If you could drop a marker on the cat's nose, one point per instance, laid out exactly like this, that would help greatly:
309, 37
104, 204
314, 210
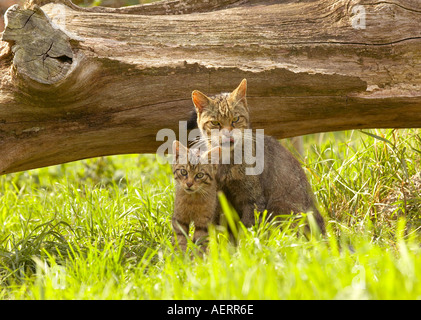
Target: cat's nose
226, 131
189, 184
227, 135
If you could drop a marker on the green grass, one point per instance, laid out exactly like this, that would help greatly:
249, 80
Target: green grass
100, 229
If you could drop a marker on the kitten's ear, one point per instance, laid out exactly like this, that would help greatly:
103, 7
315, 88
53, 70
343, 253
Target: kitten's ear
177, 146
200, 101
240, 92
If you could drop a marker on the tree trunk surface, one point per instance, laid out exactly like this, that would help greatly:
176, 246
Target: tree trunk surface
79, 82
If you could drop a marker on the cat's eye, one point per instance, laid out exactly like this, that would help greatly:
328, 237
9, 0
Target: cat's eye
215, 123
200, 175
235, 119
183, 172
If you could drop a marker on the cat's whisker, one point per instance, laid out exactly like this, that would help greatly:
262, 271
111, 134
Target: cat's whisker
199, 145
198, 138
249, 135
200, 141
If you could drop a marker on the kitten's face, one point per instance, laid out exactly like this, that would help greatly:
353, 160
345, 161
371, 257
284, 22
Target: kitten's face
190, 172
227, 114
193, 178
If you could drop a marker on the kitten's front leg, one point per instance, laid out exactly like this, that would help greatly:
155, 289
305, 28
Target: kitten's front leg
181, 229
200, 236
201, 230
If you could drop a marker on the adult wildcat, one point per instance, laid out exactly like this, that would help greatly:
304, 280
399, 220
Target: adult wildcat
282, 187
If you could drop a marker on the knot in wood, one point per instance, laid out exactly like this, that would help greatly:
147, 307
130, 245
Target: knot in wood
41, 50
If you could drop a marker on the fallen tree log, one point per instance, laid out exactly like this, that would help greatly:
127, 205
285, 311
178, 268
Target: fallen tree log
79, 82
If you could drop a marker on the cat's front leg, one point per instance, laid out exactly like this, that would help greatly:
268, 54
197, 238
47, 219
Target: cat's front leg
181, 230
247, 214
200, 236
247, 217
201, 229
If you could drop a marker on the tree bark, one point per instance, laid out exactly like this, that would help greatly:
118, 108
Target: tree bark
78, 83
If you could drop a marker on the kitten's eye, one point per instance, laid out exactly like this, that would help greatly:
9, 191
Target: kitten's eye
183, 172
235, 119
215, 123
200, 175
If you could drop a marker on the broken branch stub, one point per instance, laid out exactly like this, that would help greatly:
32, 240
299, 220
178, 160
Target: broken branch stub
41, 51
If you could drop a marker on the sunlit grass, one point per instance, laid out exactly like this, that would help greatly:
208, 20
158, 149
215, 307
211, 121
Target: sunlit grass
100, 229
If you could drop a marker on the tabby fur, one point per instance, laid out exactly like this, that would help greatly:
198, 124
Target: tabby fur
196, 194
281, 189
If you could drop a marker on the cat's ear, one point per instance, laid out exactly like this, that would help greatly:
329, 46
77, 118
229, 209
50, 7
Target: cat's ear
200, 101
240, 92
178, 148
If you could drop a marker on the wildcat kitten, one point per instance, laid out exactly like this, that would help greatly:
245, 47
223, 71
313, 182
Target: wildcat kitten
196, 193
282, 187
